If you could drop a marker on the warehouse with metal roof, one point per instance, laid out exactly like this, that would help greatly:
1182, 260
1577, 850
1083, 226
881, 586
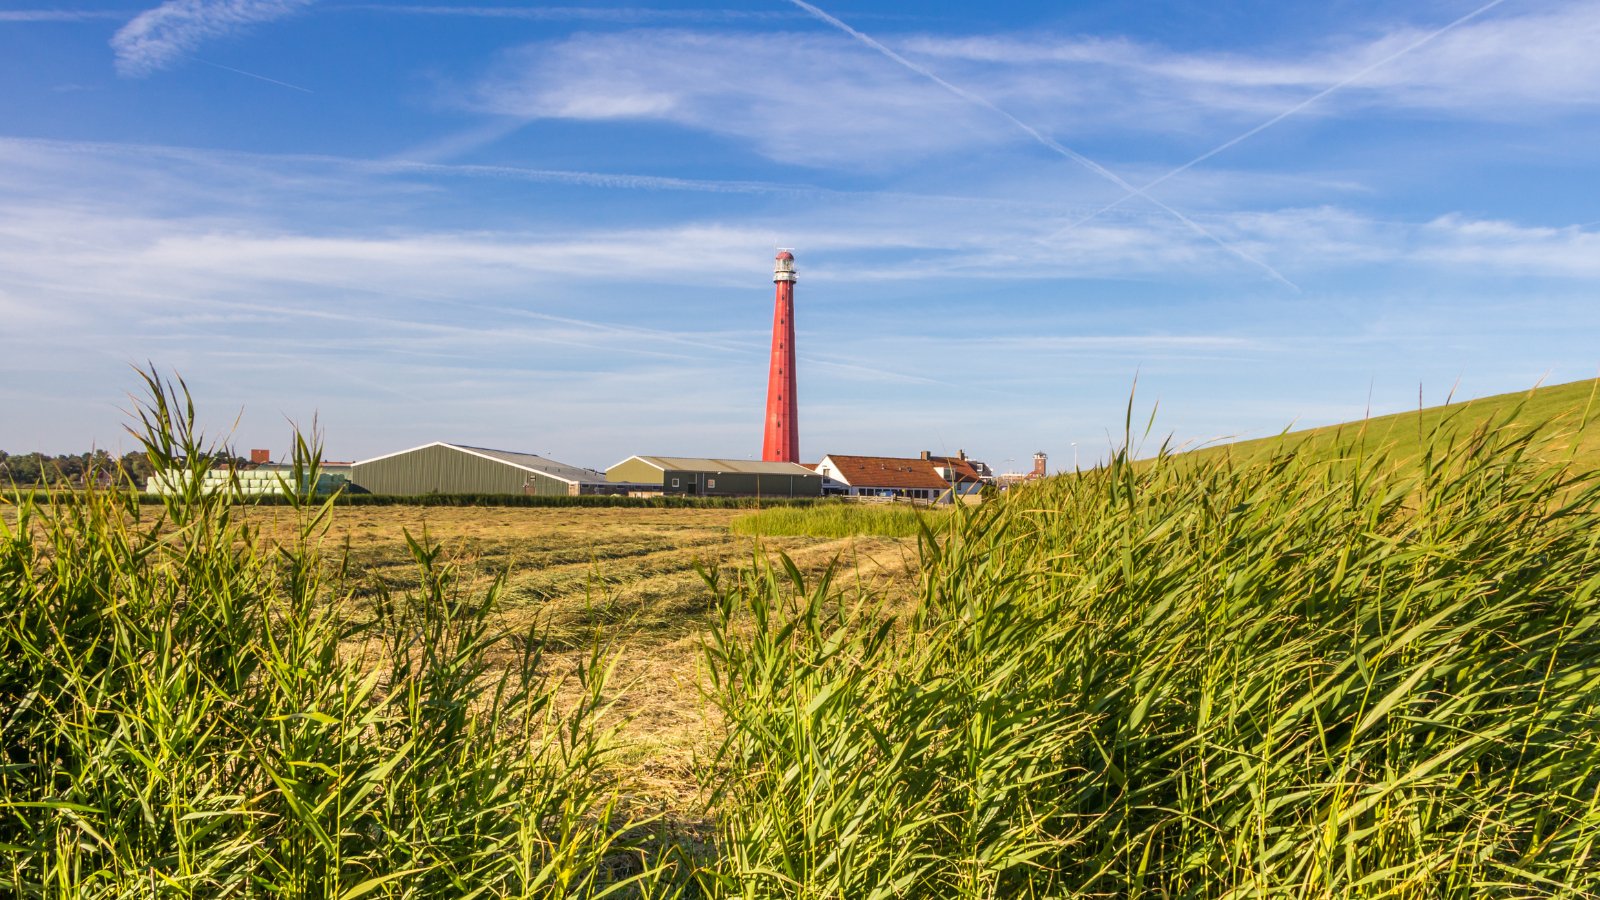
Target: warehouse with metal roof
710, 477
441, 468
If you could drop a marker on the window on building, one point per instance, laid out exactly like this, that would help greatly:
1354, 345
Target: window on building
675, 482
711, 484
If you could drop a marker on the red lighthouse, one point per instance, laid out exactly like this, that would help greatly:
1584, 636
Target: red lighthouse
782, 439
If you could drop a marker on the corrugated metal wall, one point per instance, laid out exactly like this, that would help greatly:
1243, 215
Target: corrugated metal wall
742, 484
445, 470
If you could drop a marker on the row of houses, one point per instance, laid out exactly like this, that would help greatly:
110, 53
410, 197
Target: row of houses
446, 468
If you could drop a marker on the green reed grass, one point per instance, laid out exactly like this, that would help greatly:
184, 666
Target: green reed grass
840, 519
188, 712
1193, 677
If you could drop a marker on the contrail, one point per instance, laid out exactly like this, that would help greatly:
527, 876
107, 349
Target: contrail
275, 81
1281, 116
1045, 141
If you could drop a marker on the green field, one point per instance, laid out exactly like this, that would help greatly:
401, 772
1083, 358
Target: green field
1281, 671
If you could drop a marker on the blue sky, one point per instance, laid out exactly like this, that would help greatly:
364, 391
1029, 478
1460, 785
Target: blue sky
550, 228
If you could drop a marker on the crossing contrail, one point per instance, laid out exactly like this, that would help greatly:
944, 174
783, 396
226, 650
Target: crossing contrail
1280, 116
252, 75
1043, 139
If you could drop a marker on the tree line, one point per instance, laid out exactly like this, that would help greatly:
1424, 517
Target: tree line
78, 469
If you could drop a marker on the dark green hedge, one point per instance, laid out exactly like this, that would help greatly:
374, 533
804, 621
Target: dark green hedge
498, 500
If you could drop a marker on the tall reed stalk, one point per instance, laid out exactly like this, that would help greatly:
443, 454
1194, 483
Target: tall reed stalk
1290, 677
186, 711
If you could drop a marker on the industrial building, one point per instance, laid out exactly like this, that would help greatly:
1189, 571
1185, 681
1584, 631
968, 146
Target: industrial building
702, 477
441, 468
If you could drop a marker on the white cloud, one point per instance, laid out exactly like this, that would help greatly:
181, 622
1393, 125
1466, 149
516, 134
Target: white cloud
804, 98
158, 38
1459, 242
125, 221
606, 14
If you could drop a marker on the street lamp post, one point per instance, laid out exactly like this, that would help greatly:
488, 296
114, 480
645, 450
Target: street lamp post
1074, 456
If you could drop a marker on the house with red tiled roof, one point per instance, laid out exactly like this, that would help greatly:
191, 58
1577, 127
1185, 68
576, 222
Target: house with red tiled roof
919, 479
967, 476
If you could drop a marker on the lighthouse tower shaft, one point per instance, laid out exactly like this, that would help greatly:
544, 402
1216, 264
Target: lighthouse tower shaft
781, 442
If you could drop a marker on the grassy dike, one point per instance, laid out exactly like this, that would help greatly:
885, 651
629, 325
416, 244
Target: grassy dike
1561, 412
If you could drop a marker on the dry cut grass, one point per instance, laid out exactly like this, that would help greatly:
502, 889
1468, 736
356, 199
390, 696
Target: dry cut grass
628, 579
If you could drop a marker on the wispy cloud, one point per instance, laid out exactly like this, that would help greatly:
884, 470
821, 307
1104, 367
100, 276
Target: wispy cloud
804, 98
636, 15
799, 98
1365, 72
307, 172
1490, 245
1478, 64
1044, 140
67, 204
159, 38
60, 15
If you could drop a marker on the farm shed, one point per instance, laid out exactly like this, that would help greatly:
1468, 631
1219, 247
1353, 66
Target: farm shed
441, 468
704, 477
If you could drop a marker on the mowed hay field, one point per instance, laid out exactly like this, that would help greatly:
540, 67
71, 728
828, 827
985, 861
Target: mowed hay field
626, 578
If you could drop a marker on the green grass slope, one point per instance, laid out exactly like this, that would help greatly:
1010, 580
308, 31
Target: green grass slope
1559, 411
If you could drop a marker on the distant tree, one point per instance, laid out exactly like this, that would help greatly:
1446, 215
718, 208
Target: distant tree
26, 469
35, 469
136, 466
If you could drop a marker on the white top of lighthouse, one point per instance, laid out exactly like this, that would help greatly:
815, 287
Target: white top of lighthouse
784, 269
